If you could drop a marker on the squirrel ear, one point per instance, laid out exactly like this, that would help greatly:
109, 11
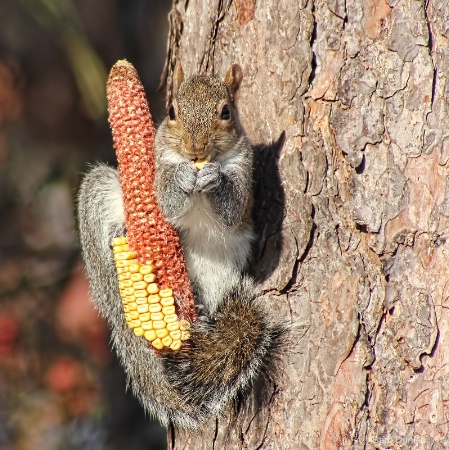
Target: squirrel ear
178, 77
233, 78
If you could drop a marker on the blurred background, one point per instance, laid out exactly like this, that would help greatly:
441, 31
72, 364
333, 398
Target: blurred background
60, 385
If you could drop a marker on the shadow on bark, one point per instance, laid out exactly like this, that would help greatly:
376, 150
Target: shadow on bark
269, 209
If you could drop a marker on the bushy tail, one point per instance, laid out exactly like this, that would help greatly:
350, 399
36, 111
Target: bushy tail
229, 351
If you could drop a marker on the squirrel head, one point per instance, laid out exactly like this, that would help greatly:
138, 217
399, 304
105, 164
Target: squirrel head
203, 119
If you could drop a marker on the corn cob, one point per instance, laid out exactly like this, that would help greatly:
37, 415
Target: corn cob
152, 247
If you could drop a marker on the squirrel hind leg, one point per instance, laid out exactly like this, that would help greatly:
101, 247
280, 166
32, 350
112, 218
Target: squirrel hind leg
229, 351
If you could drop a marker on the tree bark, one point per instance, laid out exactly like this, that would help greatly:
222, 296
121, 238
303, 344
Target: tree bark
346, 103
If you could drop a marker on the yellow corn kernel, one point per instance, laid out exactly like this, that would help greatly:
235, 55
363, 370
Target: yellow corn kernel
138, 331
157, 343
158, 324
147, 325
125, 284
136, 277
157, 316
123, 276
119, 241
176, 345
167, 310
149, 278
165, 292
134, 268
125, 308
150, 335
167, 301
136, 323
129, 291
154, 299
120, 248
125, 262
185, 335
167, 341
145, 270
141, 301
162, 333
184, 325
121, 270
200, 163
171, 318
176, 335
129, 299
155, 308
132, 306
138, 285
140, 293
142, 308
122, 293
153, 288
134, 315
125, 255
144, 317
127, 317
173, 326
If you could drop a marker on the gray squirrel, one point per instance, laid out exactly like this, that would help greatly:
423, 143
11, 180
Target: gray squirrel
210, 207
234, 337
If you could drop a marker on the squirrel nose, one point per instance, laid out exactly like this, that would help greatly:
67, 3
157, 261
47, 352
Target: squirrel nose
195, 147
198, 146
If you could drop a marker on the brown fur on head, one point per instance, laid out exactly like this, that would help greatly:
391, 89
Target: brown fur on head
203, 116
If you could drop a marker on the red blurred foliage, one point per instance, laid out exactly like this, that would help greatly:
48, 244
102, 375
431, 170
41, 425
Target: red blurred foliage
78, 322
8, 335
68, 379
10, 101
63, 375
10, 93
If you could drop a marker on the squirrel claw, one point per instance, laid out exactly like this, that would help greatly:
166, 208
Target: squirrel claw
208, 177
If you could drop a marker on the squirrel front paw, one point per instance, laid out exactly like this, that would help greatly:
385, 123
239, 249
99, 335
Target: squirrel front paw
186, 177
208, 177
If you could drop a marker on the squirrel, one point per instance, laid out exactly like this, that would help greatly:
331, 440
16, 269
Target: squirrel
234, 338
211, 207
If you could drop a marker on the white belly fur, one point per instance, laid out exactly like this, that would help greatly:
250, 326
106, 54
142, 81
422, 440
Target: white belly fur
215, 256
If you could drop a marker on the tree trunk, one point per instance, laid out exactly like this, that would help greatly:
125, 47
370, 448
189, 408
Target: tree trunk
346, 101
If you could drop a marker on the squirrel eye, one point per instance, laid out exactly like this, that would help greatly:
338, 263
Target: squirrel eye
225, 113
171, 113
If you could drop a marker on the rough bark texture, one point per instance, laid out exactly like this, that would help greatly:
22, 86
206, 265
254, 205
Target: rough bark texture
347, 103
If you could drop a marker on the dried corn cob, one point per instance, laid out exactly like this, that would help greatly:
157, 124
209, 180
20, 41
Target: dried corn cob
151, 241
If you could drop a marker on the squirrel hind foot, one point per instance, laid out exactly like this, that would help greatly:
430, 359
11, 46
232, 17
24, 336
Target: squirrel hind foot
229, 352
